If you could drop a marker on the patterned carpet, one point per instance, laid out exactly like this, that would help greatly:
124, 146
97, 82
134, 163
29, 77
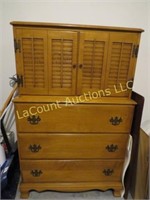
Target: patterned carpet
91, 195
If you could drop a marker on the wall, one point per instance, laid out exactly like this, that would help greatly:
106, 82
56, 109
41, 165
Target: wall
146, 123
1, 15
130, 13
149, 61
149, 54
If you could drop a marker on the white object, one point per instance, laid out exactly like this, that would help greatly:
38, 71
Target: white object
146, 127
2, 155
127, 161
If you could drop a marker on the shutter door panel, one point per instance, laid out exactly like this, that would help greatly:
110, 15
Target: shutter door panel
121, 63
33, 61
62, 62
92, 56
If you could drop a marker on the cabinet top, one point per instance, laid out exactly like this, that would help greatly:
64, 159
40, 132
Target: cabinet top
73, 26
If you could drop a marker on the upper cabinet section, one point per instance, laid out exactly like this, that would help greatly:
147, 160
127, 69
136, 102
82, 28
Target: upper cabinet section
58, 59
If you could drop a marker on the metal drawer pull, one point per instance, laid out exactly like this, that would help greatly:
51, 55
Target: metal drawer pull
115, 120
34, 120
35, 148
112, 148
36, 173
108, 172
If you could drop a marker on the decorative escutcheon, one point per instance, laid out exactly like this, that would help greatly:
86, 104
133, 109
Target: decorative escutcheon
115, 120
36, 172
112, 148
34, 119
35, 148
108, 172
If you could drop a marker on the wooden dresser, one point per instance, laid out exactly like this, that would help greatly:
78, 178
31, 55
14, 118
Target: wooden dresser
74, 109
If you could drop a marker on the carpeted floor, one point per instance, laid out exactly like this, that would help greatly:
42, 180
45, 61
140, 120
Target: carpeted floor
90, 195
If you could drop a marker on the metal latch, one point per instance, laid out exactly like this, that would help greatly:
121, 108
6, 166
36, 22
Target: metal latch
20, 80
17, 45
135, 51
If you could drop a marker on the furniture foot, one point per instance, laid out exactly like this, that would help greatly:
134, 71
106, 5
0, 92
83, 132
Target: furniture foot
24, 195
117, 193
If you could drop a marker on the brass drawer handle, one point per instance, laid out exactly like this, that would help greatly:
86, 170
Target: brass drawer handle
36, 172
112, 148
108, 172
34, 148
34, 120
115, 120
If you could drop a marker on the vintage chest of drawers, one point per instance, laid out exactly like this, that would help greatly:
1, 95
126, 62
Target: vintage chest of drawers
73, 112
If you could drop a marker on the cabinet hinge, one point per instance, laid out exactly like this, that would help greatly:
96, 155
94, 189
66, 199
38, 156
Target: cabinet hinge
135, 51
20, 80
17, 46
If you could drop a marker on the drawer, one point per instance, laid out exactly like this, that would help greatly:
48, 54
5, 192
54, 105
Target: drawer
73, 146
77, 118
71, 170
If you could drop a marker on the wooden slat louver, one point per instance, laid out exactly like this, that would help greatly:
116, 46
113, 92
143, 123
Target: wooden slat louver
38, 63
121, 63
92, 64
63, 62
92, 55
28, 62
34, 61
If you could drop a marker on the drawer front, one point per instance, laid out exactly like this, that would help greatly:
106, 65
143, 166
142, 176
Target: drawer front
71, 170
77, 118
73, 146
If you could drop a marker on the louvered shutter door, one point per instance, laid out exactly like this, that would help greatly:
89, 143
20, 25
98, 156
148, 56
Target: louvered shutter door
32, 61
121, 62
92, 61
62, 53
